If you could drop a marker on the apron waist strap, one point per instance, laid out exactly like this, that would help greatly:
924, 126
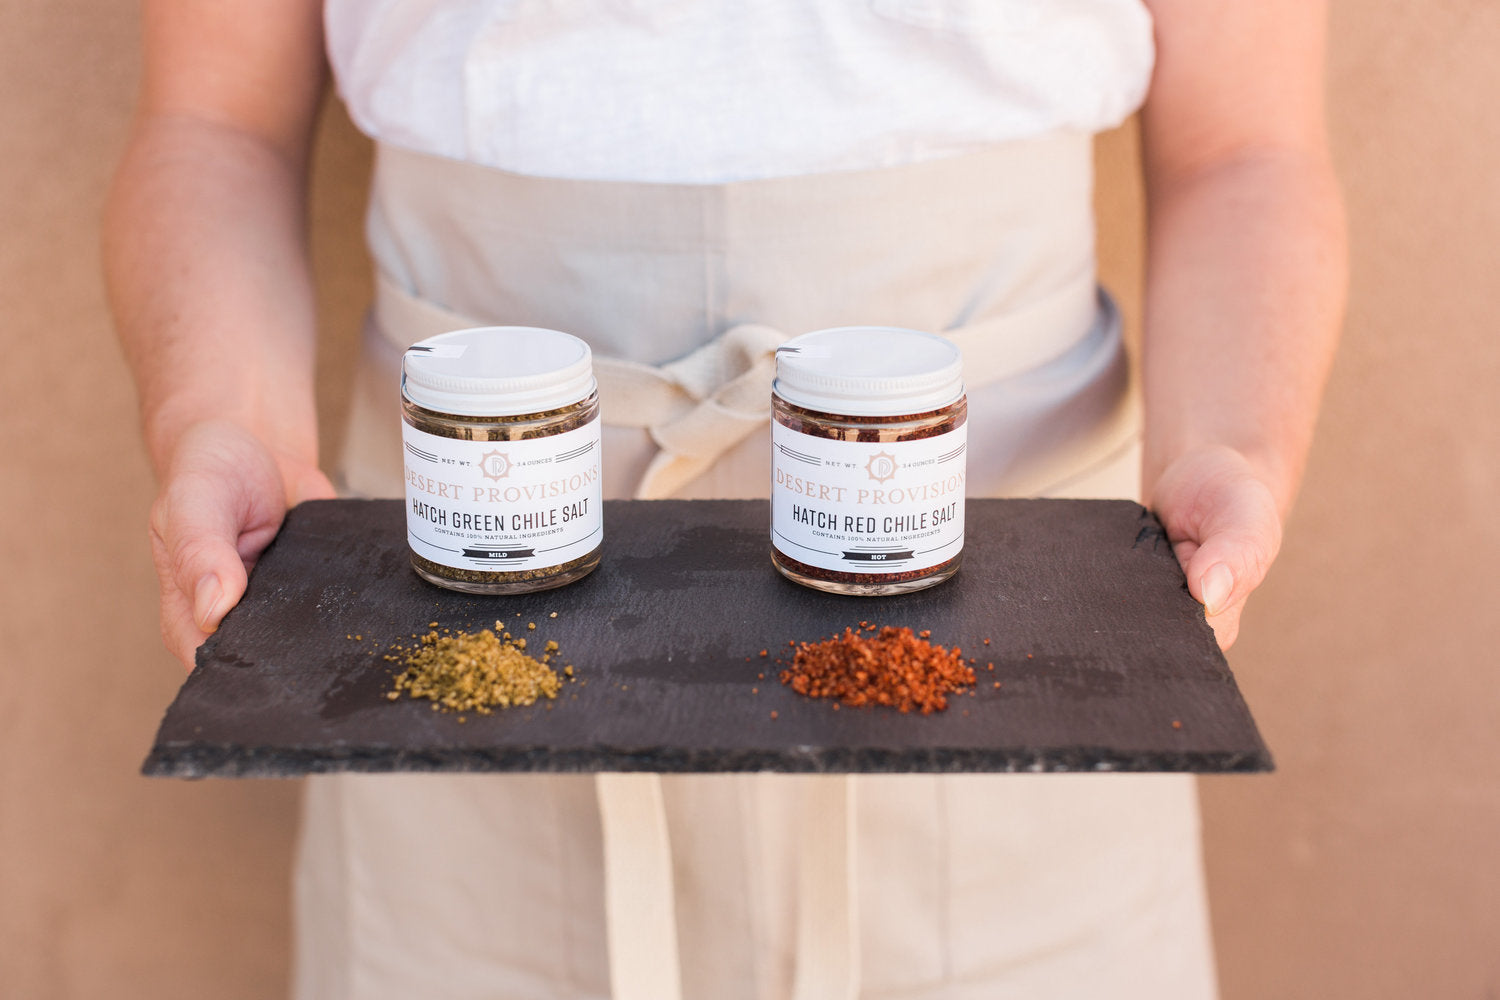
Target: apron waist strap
703, 404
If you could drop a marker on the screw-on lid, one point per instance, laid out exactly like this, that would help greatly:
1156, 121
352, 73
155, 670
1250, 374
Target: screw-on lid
497, 371
869, 371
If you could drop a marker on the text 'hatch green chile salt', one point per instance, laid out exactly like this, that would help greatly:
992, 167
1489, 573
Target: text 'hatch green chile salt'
868, 438
501, 435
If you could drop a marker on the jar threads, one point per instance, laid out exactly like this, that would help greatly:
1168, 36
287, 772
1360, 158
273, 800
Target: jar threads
501, 439
868, 439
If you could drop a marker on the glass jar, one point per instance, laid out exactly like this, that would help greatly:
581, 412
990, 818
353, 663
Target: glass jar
868, 435
501, 434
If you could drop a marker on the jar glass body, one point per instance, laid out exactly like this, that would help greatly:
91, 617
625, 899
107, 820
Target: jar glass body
501, 430
929, 426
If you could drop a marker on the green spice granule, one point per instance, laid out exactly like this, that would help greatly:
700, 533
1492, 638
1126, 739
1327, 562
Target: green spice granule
475, 671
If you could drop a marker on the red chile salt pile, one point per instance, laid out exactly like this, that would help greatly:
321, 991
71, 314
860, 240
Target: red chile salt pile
891, 667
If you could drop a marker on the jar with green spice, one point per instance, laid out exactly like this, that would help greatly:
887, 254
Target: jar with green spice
502, 441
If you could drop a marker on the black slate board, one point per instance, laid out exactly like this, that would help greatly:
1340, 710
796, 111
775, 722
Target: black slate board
1105, 661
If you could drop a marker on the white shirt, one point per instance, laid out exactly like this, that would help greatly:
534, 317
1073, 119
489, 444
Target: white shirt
711, 91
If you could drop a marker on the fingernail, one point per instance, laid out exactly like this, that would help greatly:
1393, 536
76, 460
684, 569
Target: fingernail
1218, 583
206, 597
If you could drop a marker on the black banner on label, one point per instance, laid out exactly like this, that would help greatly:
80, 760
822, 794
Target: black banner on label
499, 553
900, 555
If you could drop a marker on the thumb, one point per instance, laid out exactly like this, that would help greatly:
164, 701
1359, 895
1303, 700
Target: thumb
1225, 527
1234, 549
196, 526
218, 507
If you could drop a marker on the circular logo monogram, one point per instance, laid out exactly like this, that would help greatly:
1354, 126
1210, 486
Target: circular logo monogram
494, 465
881, 466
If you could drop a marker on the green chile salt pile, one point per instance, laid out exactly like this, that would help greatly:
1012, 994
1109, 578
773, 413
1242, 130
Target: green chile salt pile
477, 672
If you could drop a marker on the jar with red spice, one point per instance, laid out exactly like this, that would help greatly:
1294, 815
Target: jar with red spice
868, 435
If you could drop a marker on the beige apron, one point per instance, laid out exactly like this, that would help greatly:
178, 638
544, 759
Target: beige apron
959, 885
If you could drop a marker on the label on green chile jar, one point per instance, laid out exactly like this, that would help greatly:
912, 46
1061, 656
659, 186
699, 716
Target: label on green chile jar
503, 506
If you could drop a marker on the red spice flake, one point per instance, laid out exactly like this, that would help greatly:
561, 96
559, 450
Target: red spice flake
986, 642
1028, 656
773, 713
925, 633
763, 652
1176, 723
893, 667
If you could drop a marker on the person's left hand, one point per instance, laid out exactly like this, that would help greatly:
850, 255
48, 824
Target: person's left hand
1225, 527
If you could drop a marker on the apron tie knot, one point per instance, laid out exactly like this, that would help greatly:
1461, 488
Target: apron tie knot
717, 396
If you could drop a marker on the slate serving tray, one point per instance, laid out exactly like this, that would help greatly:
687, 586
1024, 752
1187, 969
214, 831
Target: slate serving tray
1104, 660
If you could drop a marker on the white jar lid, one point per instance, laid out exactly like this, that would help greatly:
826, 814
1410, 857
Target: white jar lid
497, 371
869, 371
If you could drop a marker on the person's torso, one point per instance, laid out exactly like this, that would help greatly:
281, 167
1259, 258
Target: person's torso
710, 91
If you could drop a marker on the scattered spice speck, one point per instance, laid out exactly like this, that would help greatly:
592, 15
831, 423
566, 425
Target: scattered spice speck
1176, 723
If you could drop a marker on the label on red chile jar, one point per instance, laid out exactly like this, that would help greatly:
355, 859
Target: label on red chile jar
868, 507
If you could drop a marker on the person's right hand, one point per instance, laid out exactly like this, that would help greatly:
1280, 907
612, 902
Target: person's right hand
222, 500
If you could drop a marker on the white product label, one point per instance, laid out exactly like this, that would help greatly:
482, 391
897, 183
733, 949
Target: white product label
503, 506
867, 507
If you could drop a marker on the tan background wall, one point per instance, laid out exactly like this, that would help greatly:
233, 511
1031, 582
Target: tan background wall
1364, 868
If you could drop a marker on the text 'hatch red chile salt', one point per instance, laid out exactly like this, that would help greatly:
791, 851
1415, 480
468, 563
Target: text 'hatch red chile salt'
892, 667
501, 440
868, 438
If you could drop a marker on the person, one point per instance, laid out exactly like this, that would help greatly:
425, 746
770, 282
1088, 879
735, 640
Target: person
648, 174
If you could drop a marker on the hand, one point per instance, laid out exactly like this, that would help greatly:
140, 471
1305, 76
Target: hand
1225, 527
221, 502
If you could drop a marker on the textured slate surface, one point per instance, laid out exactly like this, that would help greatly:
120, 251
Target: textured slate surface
1097, 644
